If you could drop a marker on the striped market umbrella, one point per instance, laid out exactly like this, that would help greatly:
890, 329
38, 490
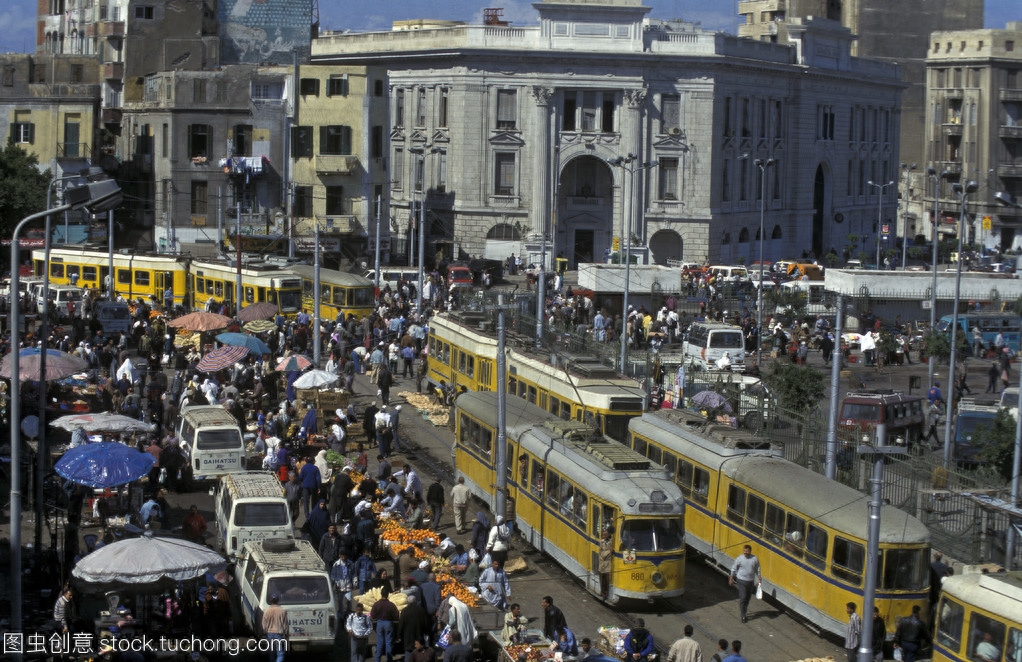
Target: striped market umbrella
293, 362
260, 326
223, 357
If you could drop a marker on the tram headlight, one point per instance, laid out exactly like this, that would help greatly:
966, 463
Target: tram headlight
658, 579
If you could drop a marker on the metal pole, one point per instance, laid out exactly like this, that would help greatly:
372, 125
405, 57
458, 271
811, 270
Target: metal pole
500, 506
932, 361
110, 251
15, 423
763, 165
379, 211
220, 221
316, 296
541, 285
880, 207
1016, 468
43, 333
948, 439
626, 243
904, 235
872, 547
237, 252
830, 468
422, 238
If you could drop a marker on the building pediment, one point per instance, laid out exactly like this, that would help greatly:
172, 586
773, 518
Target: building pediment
672, 143
506, 139
441, 136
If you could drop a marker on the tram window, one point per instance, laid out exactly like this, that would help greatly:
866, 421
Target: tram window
512, 386
555, 405
509, 466
142, 278
470, 366
447, 354
532, 393
307, 288
640, 447
905, 569
654, 453
615, 426
736, 504
1014, 645
701, 485
210, 288
754, 514
364, 296
581, 504
89, 273
847, 561
536, 486
553, 483
339, 296
249, 295
652, 535
324, 292
523, 466
72, 271
124, 276
200, 284
816, 546
774, 523
981, 647
542, 399
951, 615
271, 296
56, 270
461, 362
218, 288
685, 474
566, 411
566, 498
795, 535
671, 462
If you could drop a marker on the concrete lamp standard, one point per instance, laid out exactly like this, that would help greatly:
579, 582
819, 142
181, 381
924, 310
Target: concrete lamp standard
96, 197
881, 188
907, 169
932, 174
762, 165
421, 153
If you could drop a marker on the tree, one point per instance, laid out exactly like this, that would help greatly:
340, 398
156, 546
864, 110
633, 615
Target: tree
996, 443
938, 344
22, 187
798, 387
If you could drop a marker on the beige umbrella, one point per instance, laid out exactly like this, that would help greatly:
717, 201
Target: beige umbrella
200, 321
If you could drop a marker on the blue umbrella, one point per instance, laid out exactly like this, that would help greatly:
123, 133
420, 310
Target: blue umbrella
253, 344
104, 464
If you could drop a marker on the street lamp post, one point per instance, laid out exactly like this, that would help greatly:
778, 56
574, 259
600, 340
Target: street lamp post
961, 192
932, 361
762, 165
421, 153
881, 188
907, 169
102, 195
624, 162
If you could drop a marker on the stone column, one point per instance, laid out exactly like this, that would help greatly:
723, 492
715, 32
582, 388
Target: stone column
631, 143
541, 211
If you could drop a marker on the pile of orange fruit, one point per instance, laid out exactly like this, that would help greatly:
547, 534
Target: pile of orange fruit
517, 649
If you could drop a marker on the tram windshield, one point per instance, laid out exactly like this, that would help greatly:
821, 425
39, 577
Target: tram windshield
290, 300
905, 569
652, 535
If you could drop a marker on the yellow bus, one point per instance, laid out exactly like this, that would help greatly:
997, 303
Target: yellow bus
979, 618
463, 351
340, 292
566, 485
217, 281
146, 276
809, 532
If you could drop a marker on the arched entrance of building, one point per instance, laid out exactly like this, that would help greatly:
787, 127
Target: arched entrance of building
585, 210
666, 245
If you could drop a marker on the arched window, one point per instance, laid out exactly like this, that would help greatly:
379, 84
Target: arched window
743, 236
776, 234
504, 232
726, 239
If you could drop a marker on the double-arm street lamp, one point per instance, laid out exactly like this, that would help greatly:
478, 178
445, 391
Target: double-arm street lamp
961, 192
625, 163
881, 188
762, 165
907, 169
96, 197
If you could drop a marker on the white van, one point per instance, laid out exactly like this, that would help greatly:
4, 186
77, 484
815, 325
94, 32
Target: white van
817, 300
394, 275
293, 571
706, 343
60, 297
211, 441
728, 274
113, 316
250, 506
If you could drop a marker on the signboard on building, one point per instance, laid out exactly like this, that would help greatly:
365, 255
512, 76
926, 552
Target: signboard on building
309, 245
987, 223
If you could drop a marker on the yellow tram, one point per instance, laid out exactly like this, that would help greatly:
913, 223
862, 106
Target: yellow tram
809, 532
463, 350
341, 293
146, 276
567, 484
979, 618
259, 283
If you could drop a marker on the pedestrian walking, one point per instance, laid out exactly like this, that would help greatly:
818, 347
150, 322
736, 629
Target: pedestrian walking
435, 501
745, 573
275, 626
685, 649
459, 501
879, 635
992, 375
736, 655
911, 635
359, 627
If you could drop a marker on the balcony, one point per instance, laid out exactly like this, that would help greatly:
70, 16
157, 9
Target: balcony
111, 29
72, 150
91, 29
1013, 170
953, 93
952, 128
112, 115
332, 164
1013, 131
341, 224
113, 70
952, 167
1010, 95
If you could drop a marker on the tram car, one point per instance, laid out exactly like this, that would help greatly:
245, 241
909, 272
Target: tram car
259, 283
463, 350
809, 532
979, 618
145, 276
341, 293
566, 485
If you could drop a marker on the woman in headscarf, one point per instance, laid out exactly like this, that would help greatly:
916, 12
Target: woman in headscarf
480, 532
325, 472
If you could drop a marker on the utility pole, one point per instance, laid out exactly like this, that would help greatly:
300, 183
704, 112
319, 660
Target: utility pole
830, 467
237, 251
316, 297
376, 262
500, 507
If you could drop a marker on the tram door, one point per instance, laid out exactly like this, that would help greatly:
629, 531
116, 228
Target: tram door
164, 279
104, 280
601, 517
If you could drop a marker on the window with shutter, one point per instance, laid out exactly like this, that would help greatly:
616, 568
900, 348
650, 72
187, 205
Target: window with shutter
504, 176
507, 115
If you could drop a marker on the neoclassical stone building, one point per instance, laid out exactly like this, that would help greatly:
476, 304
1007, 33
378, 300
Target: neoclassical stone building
601, 118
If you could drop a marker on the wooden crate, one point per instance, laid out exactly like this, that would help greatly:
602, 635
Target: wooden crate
326, 403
